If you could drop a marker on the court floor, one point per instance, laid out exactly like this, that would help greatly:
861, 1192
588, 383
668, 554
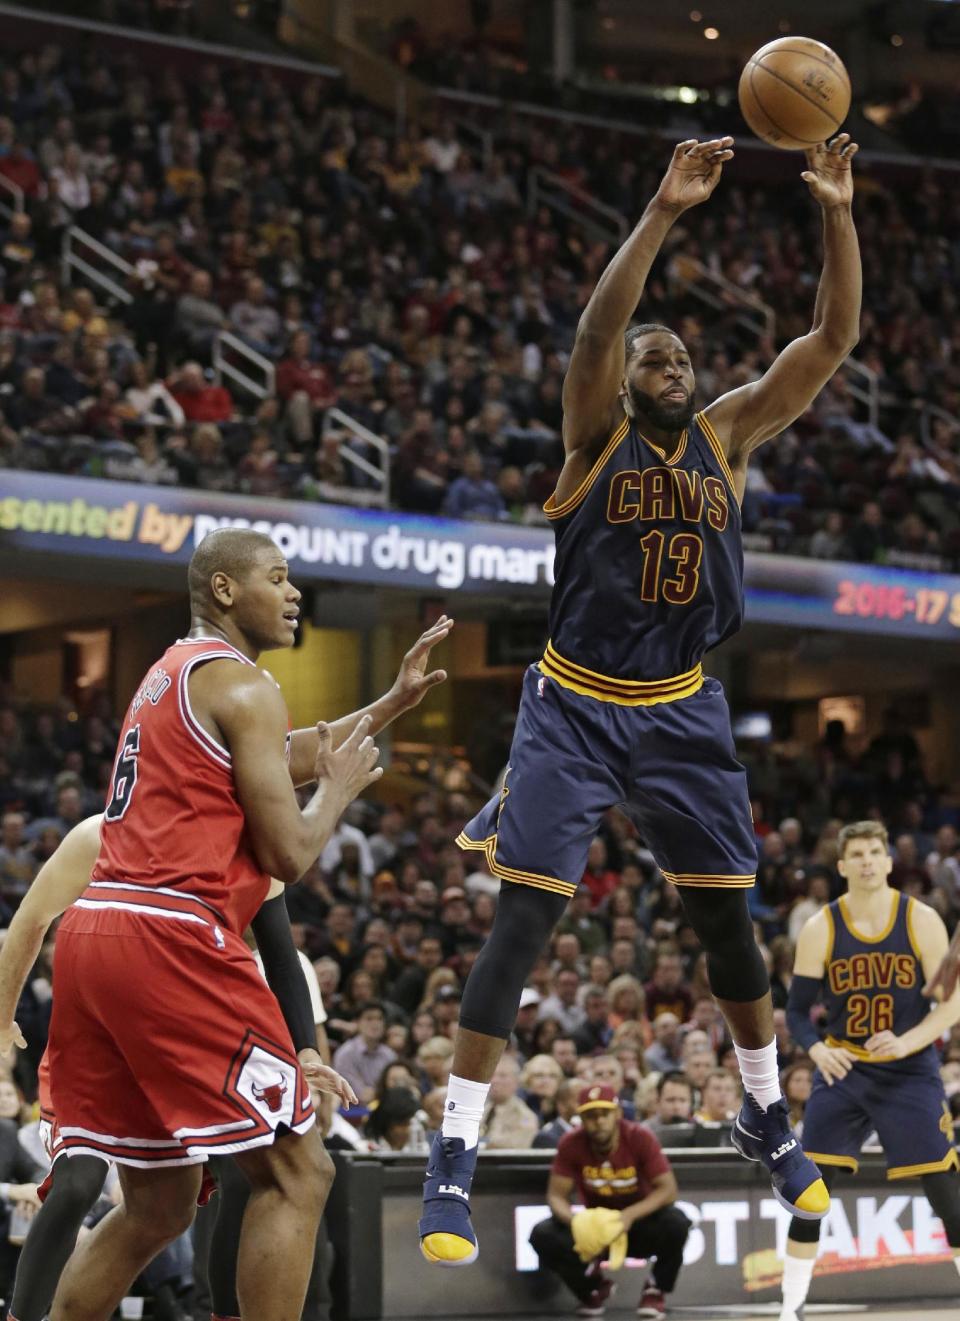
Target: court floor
917, 1312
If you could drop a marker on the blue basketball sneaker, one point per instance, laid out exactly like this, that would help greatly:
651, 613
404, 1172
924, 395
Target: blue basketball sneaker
766, 1135
446, 1234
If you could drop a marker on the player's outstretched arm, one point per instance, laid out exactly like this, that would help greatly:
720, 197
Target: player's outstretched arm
751, 414
60, 881
411, 685
809, 966
248, 710
930, 938
591, 406
945, 978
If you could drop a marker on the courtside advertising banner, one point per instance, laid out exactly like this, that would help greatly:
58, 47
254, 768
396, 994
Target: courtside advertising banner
90, 519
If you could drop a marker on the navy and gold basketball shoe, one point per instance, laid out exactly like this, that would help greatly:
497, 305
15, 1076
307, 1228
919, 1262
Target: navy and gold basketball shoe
766, 1136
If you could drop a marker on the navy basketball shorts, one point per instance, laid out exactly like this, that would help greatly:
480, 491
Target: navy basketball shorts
671, 764
903, 1103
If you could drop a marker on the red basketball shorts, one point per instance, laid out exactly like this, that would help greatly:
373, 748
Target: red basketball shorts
166, 1045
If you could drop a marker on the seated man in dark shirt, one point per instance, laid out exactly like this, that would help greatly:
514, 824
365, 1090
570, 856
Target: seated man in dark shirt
611, 1163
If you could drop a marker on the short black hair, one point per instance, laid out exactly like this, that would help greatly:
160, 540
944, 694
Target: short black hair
371, 1007
637, 332
230, 550
674, 1076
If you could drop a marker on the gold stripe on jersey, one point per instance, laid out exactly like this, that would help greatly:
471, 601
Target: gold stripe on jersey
554, 510
488, 846
858, 935
623, 692
677, 454
717, 881
911, 934
716, 445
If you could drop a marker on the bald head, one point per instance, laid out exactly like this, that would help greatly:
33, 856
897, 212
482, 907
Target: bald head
233, 551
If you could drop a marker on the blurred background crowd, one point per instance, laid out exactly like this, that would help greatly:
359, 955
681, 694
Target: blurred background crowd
400, 275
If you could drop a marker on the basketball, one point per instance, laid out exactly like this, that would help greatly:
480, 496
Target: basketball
794, 93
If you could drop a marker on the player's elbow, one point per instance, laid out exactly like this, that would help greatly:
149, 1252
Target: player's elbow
282, 859
840, 342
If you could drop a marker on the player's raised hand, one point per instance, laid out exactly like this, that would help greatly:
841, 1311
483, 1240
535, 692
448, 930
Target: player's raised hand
693, 172
834, 1062
10, 1036
412, 680
828, 174
321, 1078
352, 766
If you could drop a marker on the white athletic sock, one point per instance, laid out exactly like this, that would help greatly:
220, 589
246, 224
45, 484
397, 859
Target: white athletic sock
463, 1109
758, 1069
797, 1274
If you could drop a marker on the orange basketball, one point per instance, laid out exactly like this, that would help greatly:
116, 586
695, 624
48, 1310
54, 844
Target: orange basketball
794, 93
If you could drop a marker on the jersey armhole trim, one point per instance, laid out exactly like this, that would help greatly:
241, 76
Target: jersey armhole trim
554, 510
911, 935
831, 938
216, 751
713, 440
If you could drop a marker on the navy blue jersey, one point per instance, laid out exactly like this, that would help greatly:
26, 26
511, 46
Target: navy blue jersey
872, 984
649, 563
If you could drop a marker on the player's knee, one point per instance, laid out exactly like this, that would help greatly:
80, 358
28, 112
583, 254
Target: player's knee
303, 1171
77, 1184
165, 1220
942, 1190
804, 1231
540, 1236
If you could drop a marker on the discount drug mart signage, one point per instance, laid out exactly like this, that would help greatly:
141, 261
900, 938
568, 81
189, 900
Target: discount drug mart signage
128, 523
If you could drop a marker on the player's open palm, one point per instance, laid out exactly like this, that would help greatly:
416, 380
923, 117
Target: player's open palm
834, 1062
351, 767
828, 174
694, 172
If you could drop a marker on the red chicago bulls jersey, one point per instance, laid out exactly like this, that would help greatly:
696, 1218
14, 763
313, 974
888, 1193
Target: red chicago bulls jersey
174, 825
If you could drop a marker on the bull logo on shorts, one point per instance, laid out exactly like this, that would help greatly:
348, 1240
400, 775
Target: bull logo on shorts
273, 1095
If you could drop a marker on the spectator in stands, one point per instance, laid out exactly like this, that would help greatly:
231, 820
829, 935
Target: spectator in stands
564, 1050
435, 1057
666, 991
665, 1055
508, 1124
149, 400
565, 1102
594, 1034
255, 320
674, 1105
796, 1083
539, 1079
394, 1124
562, 1004
718, 1099
17, 866
198, 317
473, 495
200, 401
362, 1059
305, 386
599, 878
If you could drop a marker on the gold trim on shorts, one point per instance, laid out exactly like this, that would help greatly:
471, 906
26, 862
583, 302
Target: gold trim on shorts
623, 692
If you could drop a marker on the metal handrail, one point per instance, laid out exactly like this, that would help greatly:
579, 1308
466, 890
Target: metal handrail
931, 411
336, 417
542, 185
16, 192
223, 366
719, 292
72, 261
865, 386
484, 137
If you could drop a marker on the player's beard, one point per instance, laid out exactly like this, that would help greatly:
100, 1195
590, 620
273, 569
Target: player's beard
664, 414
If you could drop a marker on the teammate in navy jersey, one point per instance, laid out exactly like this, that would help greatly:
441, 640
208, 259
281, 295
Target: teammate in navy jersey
649, 572
867, 957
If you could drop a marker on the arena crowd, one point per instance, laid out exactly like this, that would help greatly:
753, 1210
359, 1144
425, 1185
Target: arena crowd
398, 276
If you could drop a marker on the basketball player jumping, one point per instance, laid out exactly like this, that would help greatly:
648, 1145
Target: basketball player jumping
867, 956
649, 571
165, 1043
